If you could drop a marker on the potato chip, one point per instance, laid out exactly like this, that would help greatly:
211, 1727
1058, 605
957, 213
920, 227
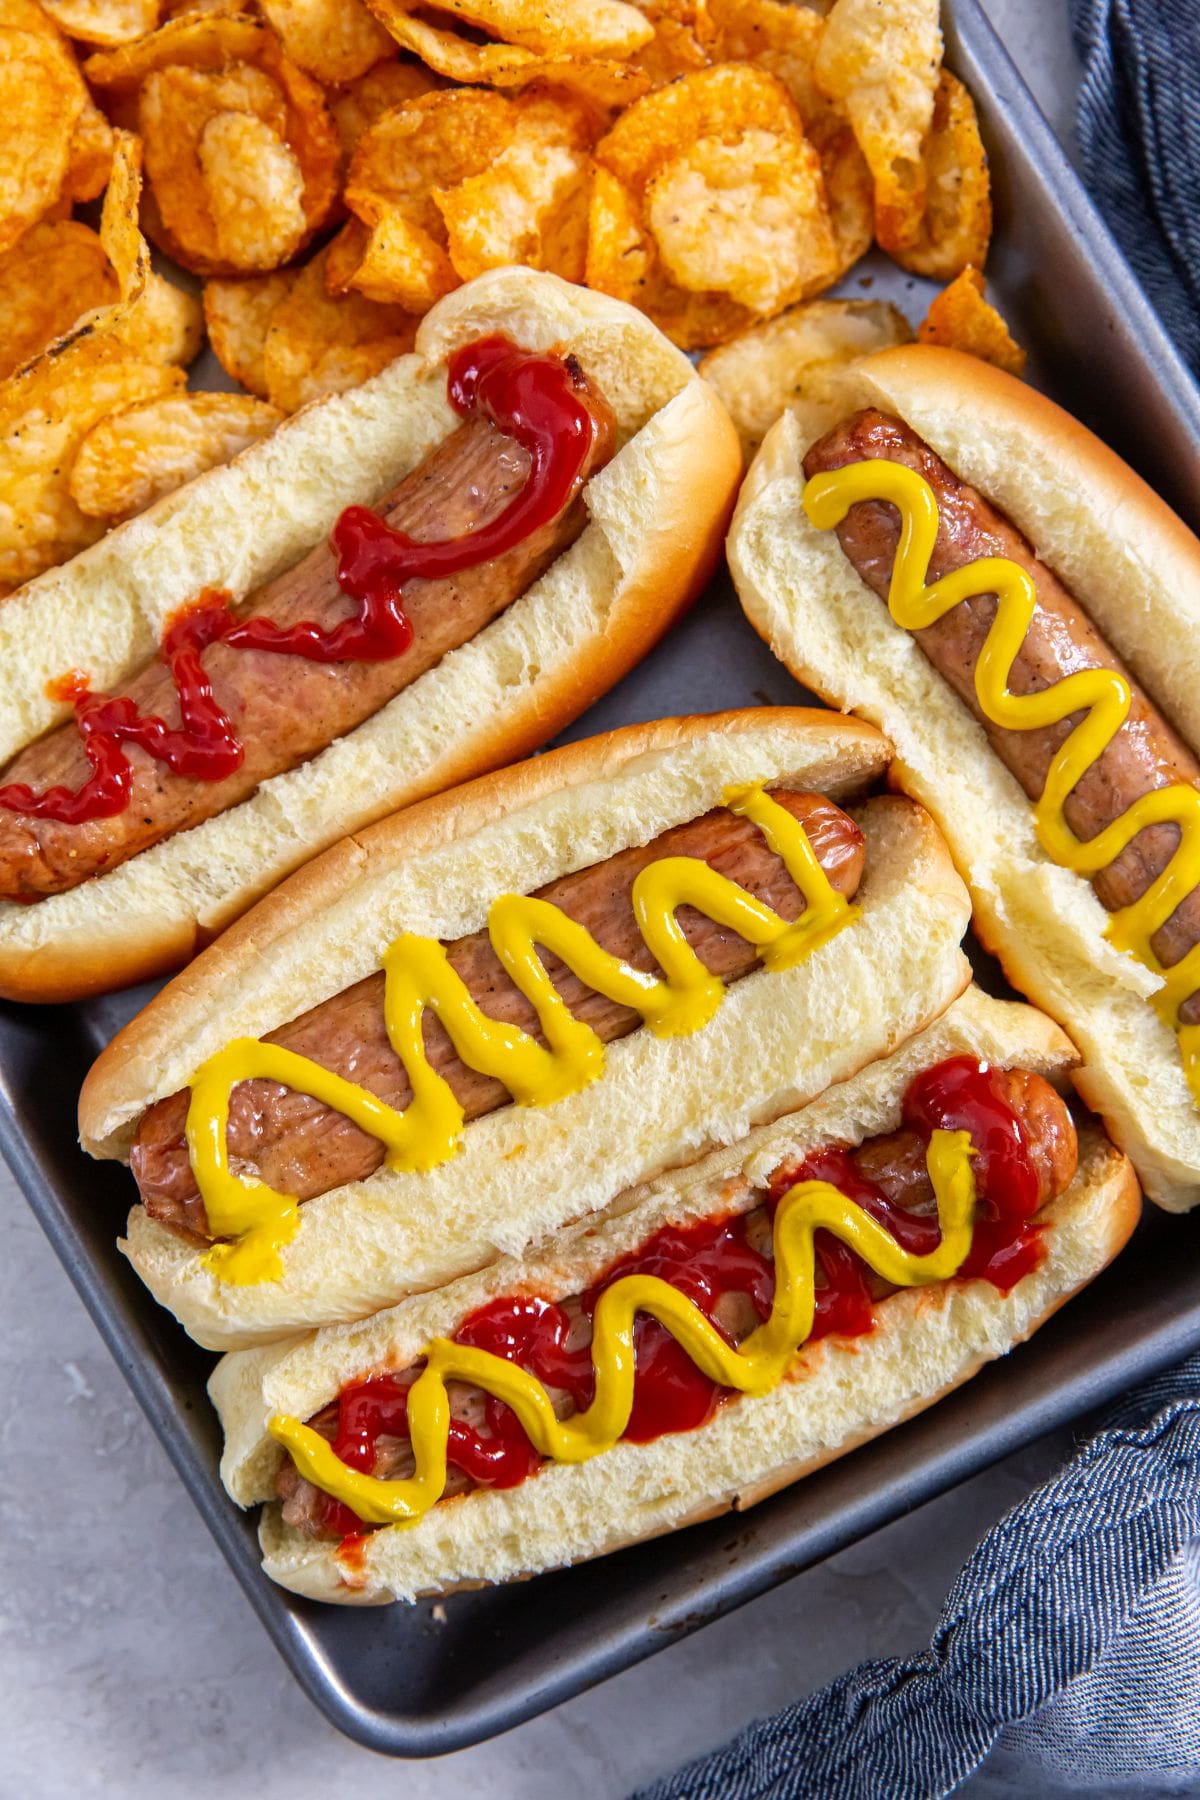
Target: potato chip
47, 405
196, 66
850, 197
748, 219
880, 60
164, 324
89, 158
40, 524
604, 28
388, 84
41, 96
961, 318
134, 456
465, 58
255, 191
622, 260
431, 143
317, 345
333, 40
682, 41
956, 227
56, 272
728, 186
794, 361
530, 203
783, 40
104, 22
237, 314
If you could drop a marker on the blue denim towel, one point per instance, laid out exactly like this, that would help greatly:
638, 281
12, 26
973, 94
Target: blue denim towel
1072, 1636
1082, 1606
1139, 134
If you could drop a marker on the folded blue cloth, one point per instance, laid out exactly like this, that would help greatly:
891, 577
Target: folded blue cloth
1081, 1607
1138, 121
1071, 1639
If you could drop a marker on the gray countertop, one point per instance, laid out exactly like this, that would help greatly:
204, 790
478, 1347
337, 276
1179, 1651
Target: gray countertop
132, 1666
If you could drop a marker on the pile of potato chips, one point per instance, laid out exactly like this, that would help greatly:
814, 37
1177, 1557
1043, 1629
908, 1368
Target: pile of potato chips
329, 169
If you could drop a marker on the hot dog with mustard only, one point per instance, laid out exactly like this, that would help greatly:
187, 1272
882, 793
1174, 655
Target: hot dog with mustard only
649, 941
722, 1331
964, 564
403, 586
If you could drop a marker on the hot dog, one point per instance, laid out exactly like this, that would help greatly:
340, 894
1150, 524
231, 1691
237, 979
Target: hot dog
891, 1301
685, 932
401, 587
1034, 673
306, 1148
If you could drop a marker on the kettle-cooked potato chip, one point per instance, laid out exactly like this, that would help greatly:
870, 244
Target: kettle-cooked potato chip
57, 271
529, 204
796, 360
956, 226
40, 524
183, 75
728, 186
89, 159
747, 218
880, 60
466, 57
254, 188
334, 40
961, 318
318, 345
683, 40
135, 455
41, 97
623, 260
387, 85
104, 22
237, 315
49, 403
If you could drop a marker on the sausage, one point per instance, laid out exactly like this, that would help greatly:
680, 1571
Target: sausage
285, 708
1144, 755
304, 1148
894, 1163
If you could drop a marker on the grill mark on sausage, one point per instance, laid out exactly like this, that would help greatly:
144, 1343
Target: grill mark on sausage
284, 709
1144, 755
895, 1162
304, 1148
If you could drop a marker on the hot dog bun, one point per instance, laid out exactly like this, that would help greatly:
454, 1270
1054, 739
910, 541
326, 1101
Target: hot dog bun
838, 1394
657, 512
777, 1039
1135, 568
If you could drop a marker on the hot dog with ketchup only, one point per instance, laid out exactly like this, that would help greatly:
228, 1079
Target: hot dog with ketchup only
491, 1014
965, 565
403, 586
780, 1301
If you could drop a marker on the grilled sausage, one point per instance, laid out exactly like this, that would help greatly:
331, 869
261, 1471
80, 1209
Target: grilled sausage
894, 1163
304, 1148
284, 708
1144, 755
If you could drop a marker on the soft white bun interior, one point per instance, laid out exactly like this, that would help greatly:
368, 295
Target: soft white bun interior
656, 513
1135, 569
777, 1039
838, 1393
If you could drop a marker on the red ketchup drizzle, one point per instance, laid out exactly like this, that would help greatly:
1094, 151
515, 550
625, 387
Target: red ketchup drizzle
533, 399
712, 1258
204, 746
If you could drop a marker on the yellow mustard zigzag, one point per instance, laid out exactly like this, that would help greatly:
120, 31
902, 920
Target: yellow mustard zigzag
1102, 695
418, 973
758, 1366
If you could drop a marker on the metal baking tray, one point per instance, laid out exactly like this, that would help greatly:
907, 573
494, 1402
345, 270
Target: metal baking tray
420, 1681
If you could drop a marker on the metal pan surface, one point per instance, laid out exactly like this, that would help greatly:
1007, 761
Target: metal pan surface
424, 1680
